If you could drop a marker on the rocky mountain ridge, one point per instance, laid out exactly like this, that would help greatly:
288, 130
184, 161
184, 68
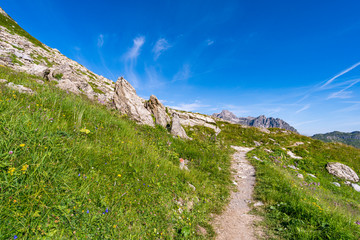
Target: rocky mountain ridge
21, 52
261, 121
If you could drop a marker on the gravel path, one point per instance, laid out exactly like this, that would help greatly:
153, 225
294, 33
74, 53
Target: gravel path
235, 223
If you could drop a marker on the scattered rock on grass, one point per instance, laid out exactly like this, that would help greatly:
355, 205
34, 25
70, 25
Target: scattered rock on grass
192, 187
256, 158
183, 164
20, 88
311, 175
342, 171
356, 187
258, 204
293, 167
348, 183
336, 184
292, 155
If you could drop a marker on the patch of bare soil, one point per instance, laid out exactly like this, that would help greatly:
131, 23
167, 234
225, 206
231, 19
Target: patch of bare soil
235, 223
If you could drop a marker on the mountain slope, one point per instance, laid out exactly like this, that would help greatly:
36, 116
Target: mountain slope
260, 121
352, 138
74, 166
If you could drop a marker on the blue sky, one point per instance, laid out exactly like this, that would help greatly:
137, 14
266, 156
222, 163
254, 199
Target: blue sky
296, 60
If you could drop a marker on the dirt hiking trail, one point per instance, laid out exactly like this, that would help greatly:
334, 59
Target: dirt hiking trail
235, 223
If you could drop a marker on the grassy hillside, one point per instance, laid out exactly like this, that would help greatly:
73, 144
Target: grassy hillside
352, 139
297, 208
72, 168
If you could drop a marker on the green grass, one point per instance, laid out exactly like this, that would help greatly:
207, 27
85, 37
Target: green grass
14, 59
309, 208
14, 28
72, 168
95, 88
58, 76
38, 59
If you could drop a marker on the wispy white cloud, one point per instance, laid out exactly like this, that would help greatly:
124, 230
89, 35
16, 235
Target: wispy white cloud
183, 74
352, 108
340, 74
307, 106
130, 58
298, 124
197, 105
161, 46
134, 51
343, 94
100, 41
210, 42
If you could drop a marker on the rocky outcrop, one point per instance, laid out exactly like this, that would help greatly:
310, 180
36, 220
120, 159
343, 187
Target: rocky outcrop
196, 119
342, 171
176, 128
25, 54
260, 122
128, 102
158, 110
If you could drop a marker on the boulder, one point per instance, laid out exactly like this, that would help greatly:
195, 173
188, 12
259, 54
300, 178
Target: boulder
342, 171
20, 88
158, 110
356, 187
127, 102
176, 128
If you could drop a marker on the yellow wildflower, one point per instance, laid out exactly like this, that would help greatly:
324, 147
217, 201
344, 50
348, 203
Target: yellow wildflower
84, 130
11, 170
119, 175
24, 168
22, 145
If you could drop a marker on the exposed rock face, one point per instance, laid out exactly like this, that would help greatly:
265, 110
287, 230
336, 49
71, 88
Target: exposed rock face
22, 54
176, 128
195, 119
127, 102
342, 171
260, 121
158, 110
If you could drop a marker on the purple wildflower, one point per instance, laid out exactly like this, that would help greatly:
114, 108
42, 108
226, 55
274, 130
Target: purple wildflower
15, 237
11, 152
87, 211
79, 175
357, 222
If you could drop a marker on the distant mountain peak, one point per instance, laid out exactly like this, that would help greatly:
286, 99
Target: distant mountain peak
260, 121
